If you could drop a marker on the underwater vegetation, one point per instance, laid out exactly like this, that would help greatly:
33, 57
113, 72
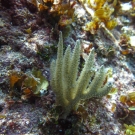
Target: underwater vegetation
126, 44
27, 85
62, 13
102, 15
128, 99
130, 129
68, 87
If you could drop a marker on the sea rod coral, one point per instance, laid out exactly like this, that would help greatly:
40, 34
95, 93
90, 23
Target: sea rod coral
71, 88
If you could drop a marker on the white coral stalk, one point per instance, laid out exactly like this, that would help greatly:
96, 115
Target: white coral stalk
68, 87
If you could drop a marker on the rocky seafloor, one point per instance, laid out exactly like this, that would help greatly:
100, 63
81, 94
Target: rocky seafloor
28, 40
